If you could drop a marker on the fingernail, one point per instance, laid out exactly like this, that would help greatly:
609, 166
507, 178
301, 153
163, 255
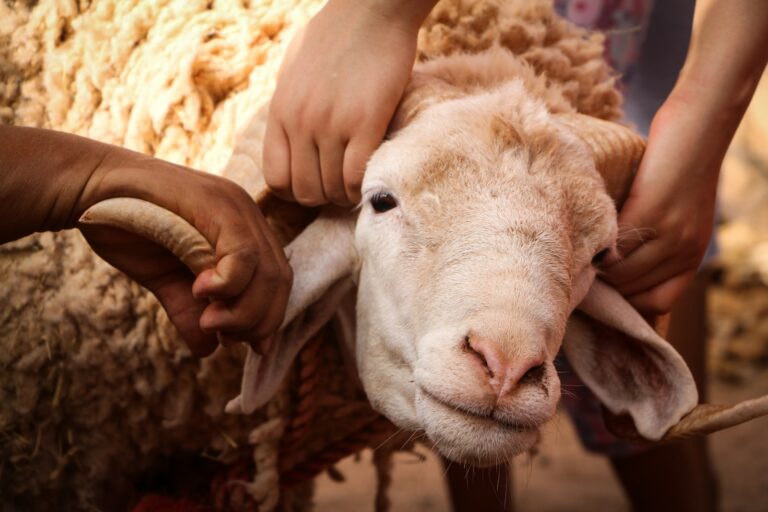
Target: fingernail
216, 278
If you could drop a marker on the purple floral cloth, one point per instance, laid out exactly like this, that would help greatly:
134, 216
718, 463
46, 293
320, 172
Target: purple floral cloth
623, 22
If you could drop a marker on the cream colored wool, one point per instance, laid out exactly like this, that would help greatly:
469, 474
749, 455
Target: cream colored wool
95, 386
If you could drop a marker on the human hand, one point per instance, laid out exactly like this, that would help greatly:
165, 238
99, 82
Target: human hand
243, 297
667, 221
338, 87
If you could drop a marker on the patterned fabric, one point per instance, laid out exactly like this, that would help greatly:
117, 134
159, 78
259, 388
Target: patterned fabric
585, 411
623, 22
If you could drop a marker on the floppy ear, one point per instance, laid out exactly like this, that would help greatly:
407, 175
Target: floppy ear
323, 259
646, 388
626, 364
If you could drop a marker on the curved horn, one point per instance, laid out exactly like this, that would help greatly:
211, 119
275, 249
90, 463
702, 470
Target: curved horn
167, 229
702, 420
617, 150
154, 223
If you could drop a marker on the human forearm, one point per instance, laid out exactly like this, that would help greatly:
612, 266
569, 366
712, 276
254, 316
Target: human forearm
672, 201
727, 55
48, 179
407, 13
43, 174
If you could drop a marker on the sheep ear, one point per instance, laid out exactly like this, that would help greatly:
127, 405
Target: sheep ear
323, 259
423, 91
617, 150
626, 364
647, 391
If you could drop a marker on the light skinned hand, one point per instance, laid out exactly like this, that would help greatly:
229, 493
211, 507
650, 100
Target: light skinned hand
338, 87
667, 221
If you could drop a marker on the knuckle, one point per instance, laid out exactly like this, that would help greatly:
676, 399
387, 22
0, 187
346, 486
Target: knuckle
277, 178
352, 182
247, 256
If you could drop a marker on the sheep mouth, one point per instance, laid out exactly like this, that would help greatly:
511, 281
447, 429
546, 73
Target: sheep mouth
486, 418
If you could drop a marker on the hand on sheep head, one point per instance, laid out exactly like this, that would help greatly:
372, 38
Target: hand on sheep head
339, 84
667, 221
51, 178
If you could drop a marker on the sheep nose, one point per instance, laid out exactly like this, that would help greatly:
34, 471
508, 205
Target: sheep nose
504, 373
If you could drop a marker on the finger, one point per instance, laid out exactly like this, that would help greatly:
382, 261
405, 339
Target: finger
272, 320
284, 282
232, 274
662, 271
306, 182
332, 171
243, 313
662, 298
184, 311
629, 240
276, 158
641, 262
241, 317
356, 157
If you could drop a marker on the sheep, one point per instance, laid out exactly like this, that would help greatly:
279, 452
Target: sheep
104, 341
488, 177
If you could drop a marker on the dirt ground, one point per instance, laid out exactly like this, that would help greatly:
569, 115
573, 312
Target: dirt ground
563, 476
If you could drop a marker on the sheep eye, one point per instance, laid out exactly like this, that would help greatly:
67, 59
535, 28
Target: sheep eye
383, 202
598, 258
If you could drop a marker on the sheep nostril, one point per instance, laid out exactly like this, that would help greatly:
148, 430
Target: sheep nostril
534, 375
469, 348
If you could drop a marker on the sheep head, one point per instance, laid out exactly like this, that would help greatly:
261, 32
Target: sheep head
481, 224
476, 249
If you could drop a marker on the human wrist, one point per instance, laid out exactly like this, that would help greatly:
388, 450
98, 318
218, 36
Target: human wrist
124, 173
45, 172
694, 134
722, 98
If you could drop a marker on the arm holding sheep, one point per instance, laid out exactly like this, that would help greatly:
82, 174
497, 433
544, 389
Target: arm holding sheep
338, 87
50, 178
667, 220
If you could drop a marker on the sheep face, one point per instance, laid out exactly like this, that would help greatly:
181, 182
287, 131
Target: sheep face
479, 224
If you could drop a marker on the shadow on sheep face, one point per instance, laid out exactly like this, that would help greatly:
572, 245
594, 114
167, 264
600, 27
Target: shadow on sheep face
480, 219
